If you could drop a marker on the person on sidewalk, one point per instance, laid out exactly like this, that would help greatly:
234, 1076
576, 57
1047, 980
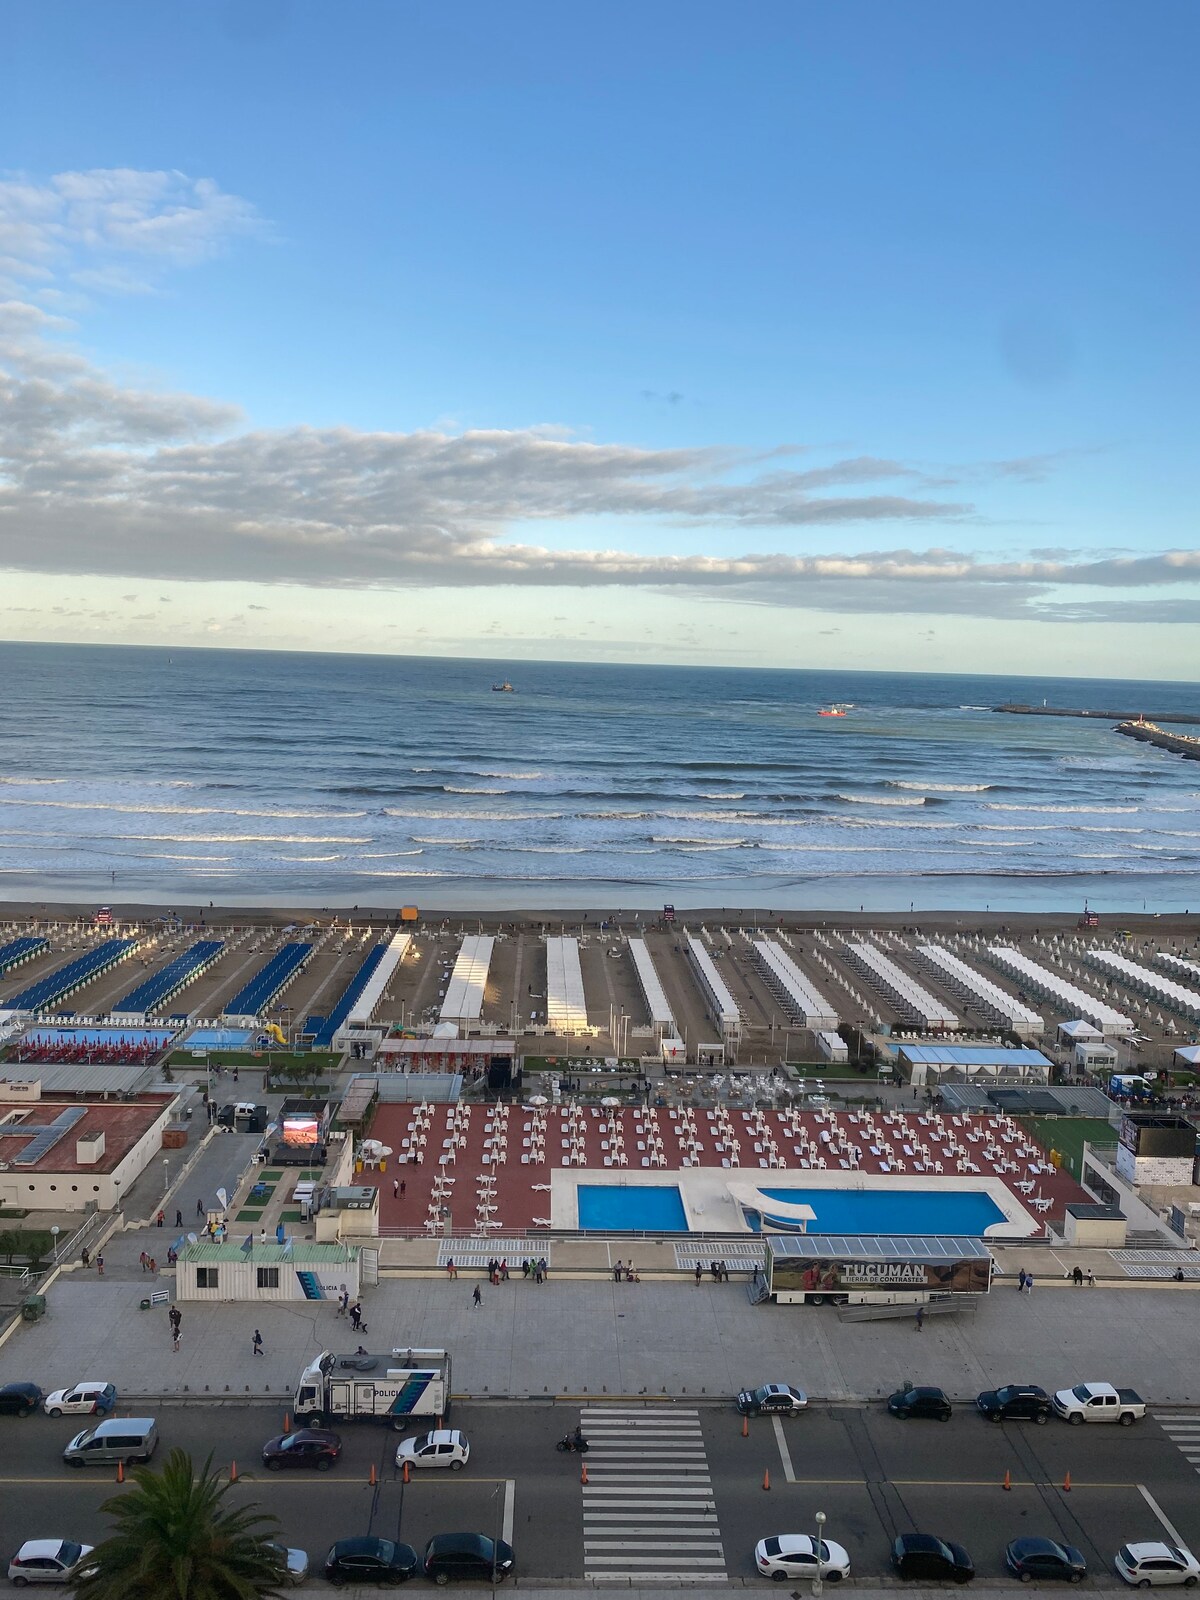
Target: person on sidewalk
160, 1220
1021, 1276
100, 1265
178, 1218
1029, 1283
477, 1296
199, 1208
257, 1345
395, 1188
920, 1319
699, 1274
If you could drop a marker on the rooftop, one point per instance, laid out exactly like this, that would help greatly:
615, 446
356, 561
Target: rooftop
123, 1123
272, 1254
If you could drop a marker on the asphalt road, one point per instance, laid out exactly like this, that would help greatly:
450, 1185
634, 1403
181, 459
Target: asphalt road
672, 1491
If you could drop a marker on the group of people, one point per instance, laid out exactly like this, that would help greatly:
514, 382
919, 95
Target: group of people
626, 1272
354, 1312
175, 1317
717, 1271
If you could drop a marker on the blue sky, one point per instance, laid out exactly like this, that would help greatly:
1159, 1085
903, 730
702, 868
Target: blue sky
792, 335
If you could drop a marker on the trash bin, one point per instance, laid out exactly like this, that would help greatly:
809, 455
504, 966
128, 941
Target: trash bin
33, 1307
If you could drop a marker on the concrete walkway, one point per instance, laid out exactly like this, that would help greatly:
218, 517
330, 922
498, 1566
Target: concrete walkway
598, 1337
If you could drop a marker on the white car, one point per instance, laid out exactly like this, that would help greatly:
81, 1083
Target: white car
47, 1561
1145, 1565
444, 1447
86, 1399
794, 1555
293, 1564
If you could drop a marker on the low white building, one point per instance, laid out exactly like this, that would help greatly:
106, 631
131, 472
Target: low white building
1095, 1057
831, 1046
268, 1273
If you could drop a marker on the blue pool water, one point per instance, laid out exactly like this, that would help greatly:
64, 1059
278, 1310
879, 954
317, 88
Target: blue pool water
220, 1038
969, 1212
654, 1207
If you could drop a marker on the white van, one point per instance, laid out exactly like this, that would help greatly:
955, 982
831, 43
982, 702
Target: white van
116, 1439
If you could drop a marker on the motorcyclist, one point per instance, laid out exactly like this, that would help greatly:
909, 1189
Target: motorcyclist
578, 1442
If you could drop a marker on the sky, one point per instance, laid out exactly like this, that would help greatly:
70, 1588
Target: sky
801, 335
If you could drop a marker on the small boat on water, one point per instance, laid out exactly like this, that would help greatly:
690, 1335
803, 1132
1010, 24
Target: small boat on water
503, 688
832, 711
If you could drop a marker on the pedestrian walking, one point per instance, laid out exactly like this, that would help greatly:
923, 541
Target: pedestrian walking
153, 1265
477, 1296
1091, 1279
403, 1187
175, 1338
178, 1218
543, 1268
920, 1319
161, 1219
395, 1188
199, 1208
343, 1302
356, 1316
84, 1257
1029, 1283
142, 1259
100, 1265
257, 1345
175, 1315
1021, 1277
699, 1274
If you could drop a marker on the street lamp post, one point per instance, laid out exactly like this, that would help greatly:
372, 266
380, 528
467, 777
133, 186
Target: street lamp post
166, 1177
818, 1587
54, 1232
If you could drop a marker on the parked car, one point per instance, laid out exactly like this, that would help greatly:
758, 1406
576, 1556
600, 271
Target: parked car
923, 1556
47, 1561
774, 1399
368, 1560
794, 1555
920, 1401
85, 1399
1031, 1558
468, 1555
1153, 1563
19, 1399
306, 1447
444, 1447
292, 1564
1099, 1402
1016, 1402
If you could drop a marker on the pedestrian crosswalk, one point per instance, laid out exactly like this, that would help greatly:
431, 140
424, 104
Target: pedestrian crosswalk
1183, 1428
648, 1509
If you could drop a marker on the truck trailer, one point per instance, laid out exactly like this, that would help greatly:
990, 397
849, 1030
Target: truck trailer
394, 1387
864, 1269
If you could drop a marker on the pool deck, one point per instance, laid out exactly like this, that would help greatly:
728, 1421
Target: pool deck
519, 1167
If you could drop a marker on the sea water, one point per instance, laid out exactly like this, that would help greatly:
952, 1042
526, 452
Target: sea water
264, 778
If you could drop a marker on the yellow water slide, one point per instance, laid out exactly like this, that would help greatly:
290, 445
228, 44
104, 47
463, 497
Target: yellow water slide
274, 1031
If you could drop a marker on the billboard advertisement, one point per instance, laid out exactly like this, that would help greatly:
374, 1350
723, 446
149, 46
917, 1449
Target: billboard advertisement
835, 1276
299, 1129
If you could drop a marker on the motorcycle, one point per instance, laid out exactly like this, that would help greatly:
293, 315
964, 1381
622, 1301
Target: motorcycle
571, 1443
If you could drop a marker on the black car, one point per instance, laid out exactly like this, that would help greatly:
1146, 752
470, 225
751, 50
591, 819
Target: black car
369, 1560
468, 1555
1045, 1558
19, 1399
921, 1555
307, 1447
1016, 1402
920, 1402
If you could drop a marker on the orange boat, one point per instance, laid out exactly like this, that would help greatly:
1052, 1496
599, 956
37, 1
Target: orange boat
831, 711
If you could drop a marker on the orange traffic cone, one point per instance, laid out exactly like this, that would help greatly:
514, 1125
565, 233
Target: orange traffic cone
745, 1427
233, 1472
583, 1477
766, 1480
406, 1472
120, 1472
374, 1478
1067, 1483
1008, 1480
287, 1422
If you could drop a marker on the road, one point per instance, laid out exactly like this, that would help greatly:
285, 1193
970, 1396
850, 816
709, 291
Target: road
673, 1491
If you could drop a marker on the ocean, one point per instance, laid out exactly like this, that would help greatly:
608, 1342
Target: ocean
254, 778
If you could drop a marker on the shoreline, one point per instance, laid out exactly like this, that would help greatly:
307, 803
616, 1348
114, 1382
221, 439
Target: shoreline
1181, 924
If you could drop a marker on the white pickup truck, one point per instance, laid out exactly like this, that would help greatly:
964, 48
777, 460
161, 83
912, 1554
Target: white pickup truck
1099, 1402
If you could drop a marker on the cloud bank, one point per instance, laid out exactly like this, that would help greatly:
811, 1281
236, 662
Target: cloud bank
97, 477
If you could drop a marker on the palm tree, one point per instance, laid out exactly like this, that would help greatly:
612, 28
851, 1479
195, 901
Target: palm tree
174, 1542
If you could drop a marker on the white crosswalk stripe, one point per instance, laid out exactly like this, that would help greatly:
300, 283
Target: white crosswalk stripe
648, 1507
1183, 1428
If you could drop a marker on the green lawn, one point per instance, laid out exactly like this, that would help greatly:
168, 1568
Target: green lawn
1068, 1135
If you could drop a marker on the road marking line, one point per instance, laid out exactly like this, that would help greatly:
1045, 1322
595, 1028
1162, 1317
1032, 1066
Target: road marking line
682, 1577
784, 1453
659, 1561
510, 1499
592, 1545
1160, 1514
646, 1491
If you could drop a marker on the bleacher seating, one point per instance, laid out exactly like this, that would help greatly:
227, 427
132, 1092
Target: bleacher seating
156, 991
254, 997
56, 986
331, 1024
18, 950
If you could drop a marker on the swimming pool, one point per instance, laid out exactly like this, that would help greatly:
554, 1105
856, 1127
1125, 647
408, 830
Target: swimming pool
651, 1207
966, 1212
219, 1038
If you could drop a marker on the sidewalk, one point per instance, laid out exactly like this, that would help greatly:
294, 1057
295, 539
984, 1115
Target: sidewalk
576, 1337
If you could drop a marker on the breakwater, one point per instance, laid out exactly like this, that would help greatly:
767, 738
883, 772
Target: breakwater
1180, 744
1099, 716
